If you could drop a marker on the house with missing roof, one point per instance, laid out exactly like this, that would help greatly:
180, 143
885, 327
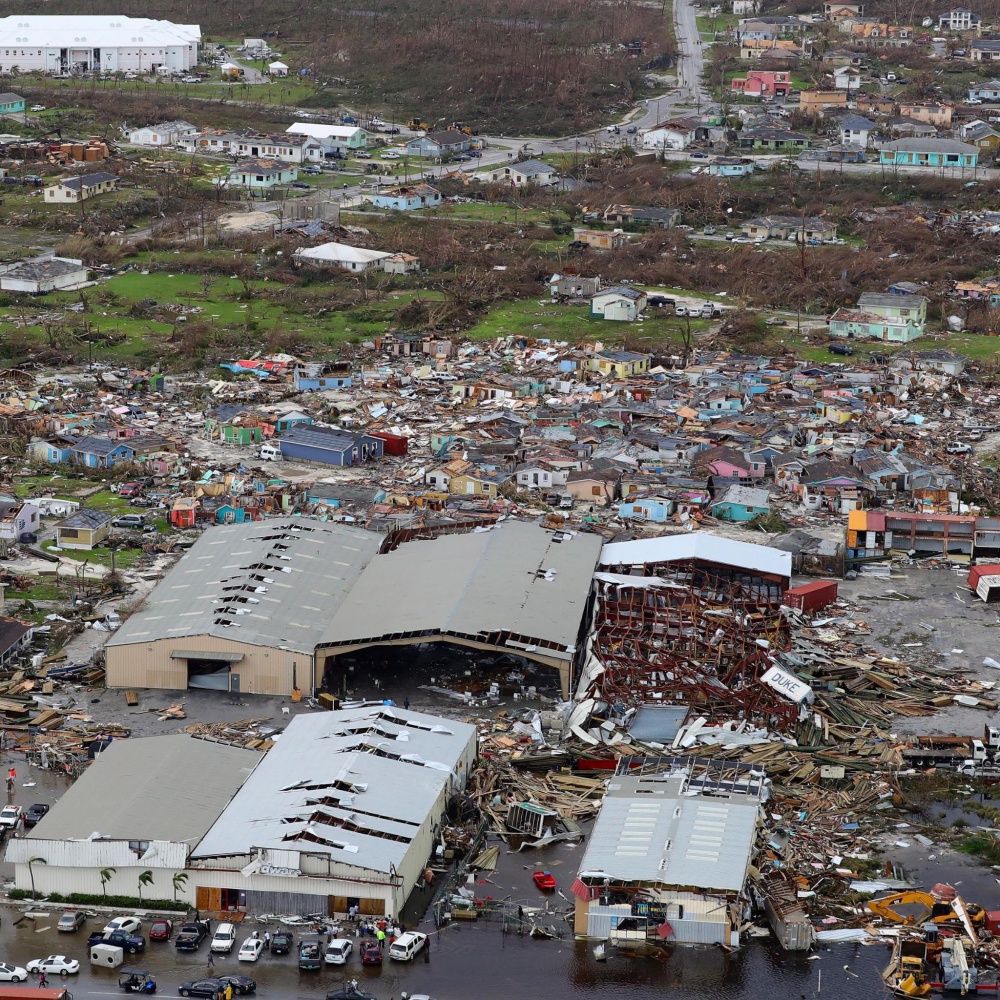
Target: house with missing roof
71, 190
670, 854
36, 277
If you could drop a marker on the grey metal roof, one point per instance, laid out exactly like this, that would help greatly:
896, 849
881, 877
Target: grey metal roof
929, 145
697, 545
277, 583
34, 270
158, 788
478, 583
356, 785
327, 438
654, 828
85, 517
887, 300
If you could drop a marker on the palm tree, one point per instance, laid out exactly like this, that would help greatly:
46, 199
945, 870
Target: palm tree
31, 871
146, 878
179, 880
106, 874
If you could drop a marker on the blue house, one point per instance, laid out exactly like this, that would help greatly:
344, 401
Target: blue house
100, 452
731, 166
740, 503
11, 104
329, 445
989, 91
407, 197
54, 451
289, 420
929, 153
656, 509
311, 378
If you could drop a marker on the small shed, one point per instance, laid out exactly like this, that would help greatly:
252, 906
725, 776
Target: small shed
277, 68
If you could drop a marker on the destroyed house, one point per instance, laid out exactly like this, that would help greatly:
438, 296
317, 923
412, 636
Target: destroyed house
670, 854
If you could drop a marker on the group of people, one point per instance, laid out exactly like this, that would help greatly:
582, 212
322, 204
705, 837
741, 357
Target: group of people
378, 929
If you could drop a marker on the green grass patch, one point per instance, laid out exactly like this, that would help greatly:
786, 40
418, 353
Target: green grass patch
38, 591
123, 558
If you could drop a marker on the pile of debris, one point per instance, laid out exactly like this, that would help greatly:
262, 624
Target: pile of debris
252, 734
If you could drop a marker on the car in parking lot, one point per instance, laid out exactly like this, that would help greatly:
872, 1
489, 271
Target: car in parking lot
130, 925
54, 964
202, 988
71, 921
843, 349
338, 951
131, 943
371, 953
37, 810
240, 984
250, 950
10, 817
12, 973
281, 943
159, 930
191, 935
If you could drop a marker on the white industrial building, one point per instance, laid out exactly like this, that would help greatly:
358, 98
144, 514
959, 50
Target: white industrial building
344, 810
142, 806
106, 43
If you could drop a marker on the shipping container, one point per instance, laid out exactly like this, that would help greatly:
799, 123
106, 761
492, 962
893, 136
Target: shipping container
985, 581
812, 596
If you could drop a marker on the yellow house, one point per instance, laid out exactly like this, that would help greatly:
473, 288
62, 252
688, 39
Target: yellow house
84, 529
621, 363
477, 483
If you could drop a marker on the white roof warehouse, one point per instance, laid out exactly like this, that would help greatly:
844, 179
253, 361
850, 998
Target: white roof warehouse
345, 806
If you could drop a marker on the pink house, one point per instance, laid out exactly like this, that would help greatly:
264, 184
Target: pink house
729, 463
763, 83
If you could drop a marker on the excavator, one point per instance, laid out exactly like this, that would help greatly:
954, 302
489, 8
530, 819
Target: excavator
926, 908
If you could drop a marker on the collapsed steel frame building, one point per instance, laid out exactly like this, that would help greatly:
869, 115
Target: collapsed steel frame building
690, 620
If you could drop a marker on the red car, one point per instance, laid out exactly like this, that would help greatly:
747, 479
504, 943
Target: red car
371, 953
160, 930
545, 881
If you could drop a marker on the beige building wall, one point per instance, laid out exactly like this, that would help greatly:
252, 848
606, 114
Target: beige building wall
263, 669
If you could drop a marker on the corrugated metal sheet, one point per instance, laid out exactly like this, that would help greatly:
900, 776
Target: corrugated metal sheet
96, 853
699, 931
698, 545
285, 902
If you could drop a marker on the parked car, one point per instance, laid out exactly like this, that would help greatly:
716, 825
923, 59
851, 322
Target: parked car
312, 170
390, 154
191, 935
37, 107
10, 816
956, 448
202, 988
36, 811
310, 954
54, 964
224, 938
240, 984
71, 921
631, 130
844, 349
12, 973
301, 185
130, 925
338, 951
250, 950
129, 521
281, 943
406, 946
131, 943
159, 930
371, 953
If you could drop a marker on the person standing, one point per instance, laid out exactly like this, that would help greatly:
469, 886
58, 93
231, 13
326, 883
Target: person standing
380, 934
211, 963
267, 940
229, 991
43, 980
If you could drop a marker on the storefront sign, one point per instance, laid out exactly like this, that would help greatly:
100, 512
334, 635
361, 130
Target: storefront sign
275, 870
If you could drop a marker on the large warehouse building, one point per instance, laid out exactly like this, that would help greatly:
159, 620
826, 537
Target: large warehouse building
344, 810
263, 607
106, 43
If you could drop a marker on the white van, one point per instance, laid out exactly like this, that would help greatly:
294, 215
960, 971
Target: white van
406, 946
225, 938
270, 452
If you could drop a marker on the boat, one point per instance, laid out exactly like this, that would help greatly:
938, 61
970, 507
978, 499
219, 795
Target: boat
545, 881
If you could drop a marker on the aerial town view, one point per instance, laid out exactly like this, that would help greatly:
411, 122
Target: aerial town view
499, 500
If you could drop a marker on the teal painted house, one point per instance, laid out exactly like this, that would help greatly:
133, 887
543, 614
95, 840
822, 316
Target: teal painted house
11, 104
929, 153
657, 509
740, 503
